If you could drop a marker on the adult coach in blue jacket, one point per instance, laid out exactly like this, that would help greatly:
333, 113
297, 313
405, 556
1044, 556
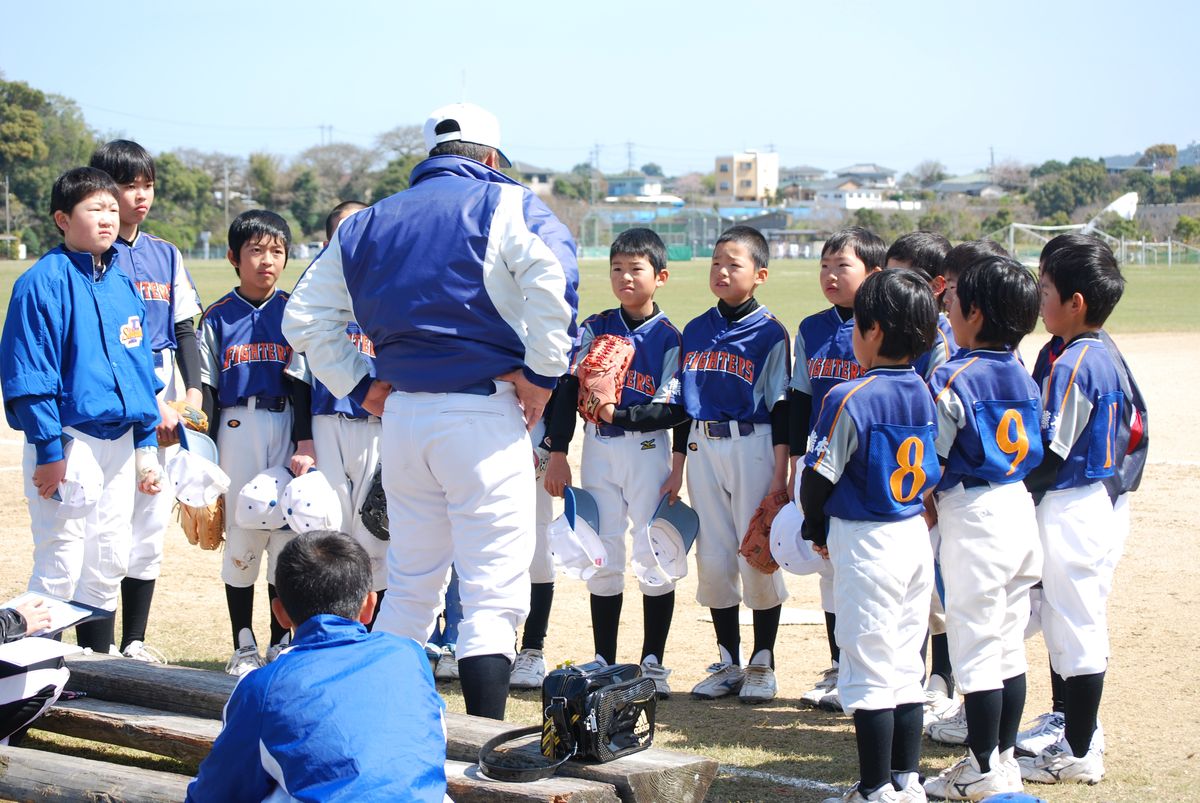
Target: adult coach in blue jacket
466, 283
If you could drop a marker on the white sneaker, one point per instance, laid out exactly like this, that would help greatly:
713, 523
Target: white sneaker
276, 650
1046, 730
528, 670
827, 684
723, 679
831, 702
938, 704
884, 794
950, 731
1008, 763
1057, 764
758, 685
965, 781
139, 651
658, 673
245, 658
910, 790
447, 665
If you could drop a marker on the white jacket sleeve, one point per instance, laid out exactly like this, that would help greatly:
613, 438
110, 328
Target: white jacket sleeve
314, 322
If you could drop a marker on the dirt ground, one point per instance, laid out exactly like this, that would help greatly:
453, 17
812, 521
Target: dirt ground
1151, 709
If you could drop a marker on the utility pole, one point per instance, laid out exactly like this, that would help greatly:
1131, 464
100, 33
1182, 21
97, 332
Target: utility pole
629, 156
225, 196
7, 218
992, 169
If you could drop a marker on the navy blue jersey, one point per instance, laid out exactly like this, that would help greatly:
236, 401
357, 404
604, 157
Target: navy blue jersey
323, 400
989, 412
653, 375
824, 357
875, 441
1083, 412
158, 273
242, 349
734, 371
944, 348
74, 353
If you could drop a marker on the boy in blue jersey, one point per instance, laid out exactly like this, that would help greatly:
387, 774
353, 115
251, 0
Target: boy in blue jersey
261, 415
872, 458
156, 268
825, 358
343, 714
988, 407
734, 380
1084, 415
925, 252
78, 378
628, 464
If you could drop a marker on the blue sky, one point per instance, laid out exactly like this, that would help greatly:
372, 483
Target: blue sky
824, 84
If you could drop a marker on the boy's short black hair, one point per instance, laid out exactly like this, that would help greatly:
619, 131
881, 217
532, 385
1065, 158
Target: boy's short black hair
77, 184
1080, 263
1005, 292
866, 245
258, 224
338, 214
902, 303
124, 160
962, 255
924, 251
749, 238
322, 572
640, 243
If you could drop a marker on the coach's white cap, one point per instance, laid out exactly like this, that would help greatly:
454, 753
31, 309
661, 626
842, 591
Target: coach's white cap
197, 479
258, 505
574, 536
788, 549
464, 122
310, 503
83, 482
660, 551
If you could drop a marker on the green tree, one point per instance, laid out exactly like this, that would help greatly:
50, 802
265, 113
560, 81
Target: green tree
935, 221
1048, 168
1188, 229
395, 177
307, 205
1160, 157
1002, 218
1119, 227
652, 169
869, 219
1185, 182
21, 130
263, 174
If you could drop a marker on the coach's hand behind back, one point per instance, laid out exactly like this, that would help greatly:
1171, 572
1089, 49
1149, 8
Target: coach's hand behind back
376, 396
532, 398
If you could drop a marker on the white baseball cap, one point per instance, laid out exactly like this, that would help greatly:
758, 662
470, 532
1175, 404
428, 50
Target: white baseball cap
83, 482
464, 122
660, 551
197, 479
788, 549
310, 503
574, 536
258, 505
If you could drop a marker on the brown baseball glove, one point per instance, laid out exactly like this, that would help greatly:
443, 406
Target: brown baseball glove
602, 374
193, 417
756, 545
204, 526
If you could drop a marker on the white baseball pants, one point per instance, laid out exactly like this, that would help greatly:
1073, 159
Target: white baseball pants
348, 454
152, 514
541, 570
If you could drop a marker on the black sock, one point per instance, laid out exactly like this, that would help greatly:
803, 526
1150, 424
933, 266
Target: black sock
939, 647
484, 680
908, 721
278, 631
378, 605
729, 633
830, 625
983, 724
136, 596
1082, 710
873, 731
1011, 711
1058, 691
541, 599
97, 634
656, 624
240, 602
766, 628
606, 620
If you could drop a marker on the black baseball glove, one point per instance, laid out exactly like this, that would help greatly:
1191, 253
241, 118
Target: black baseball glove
374, 510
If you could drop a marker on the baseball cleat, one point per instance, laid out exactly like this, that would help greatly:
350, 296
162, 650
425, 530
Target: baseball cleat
1047, 729
908, 787
950, 731
138, 651
758, 685
658, 673
938, 704
965, 781
447, 665
1057, 764
723, 679
245, 658
827, 684
831, 702
528, 670
276, 650
884, 794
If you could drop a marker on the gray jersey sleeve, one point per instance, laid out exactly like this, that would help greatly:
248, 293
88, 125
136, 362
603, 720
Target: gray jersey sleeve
209, 349
1069, 422
771, 385
951, 417
832, 455
668, 383
800, 380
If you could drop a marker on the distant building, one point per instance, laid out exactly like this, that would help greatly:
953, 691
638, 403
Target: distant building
538, 179
748, 176
868, 175
633, 184
1120, 164
848, 194
800, 176
976, 185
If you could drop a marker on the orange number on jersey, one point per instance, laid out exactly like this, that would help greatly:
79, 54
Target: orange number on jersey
1017, 446
908, 458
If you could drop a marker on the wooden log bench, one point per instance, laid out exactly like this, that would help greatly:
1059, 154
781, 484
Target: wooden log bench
171, 710
41, 776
